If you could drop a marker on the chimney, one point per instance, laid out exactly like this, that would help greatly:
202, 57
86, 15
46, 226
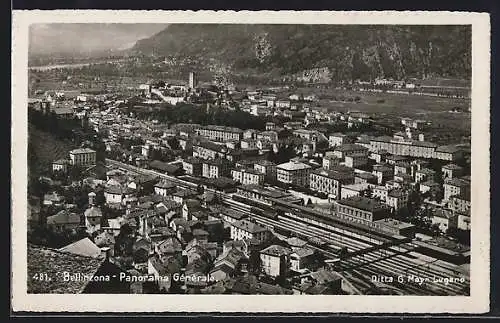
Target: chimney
91, 199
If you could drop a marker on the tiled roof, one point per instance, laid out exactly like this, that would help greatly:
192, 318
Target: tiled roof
93, 212
293, 165
452, 167
304, 252
84, 247
456, 182
82, 151
276, 250
64, 217
52, 263
115, 189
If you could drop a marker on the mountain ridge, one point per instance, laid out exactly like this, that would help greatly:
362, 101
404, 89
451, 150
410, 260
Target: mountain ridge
342, 51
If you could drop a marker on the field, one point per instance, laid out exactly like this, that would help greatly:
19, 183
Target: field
434, 109
444, 82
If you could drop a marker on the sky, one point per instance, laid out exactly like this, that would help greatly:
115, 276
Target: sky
83, 38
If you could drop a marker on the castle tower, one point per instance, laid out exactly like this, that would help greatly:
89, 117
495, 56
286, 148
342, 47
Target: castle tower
193, 82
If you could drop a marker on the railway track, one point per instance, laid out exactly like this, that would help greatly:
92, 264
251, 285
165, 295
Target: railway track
396, 262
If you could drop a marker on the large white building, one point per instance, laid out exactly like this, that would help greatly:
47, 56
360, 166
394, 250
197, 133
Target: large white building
294, 173
82, 157
414, 148
220, 133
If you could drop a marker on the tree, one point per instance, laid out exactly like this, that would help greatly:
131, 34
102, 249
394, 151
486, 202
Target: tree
173, 143
75, 173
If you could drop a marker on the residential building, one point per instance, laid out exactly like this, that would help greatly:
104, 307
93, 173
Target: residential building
63, 220
429, 186
397, 199
275, 260
378, 156
351, 190
365, 177
270, 126
215, 168
60, 165
350, 149
424, 174
402, 168
463, 220
209, 150
300, 259
282, 104
117, 194
339, 139
220, 133
329, 182
460, 203
248, 143
330, 161
309, 135
164, 188
455, 186
445, 219
294, 173
355, 160
267, 168
54, 199
189, 207
449, 153
244, 229
230, 216
452, 171
393, 159
383, 173
247, 176
380, 193
82, 157
192, 166
270, 135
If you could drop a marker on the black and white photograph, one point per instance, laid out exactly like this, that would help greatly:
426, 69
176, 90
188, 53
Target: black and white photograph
288, 158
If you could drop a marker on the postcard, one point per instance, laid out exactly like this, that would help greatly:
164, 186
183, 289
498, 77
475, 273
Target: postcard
224, 161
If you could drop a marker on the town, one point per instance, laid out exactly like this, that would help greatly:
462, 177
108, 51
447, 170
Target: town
245, 190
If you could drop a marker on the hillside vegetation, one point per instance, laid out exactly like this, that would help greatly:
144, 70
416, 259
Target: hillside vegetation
322, 52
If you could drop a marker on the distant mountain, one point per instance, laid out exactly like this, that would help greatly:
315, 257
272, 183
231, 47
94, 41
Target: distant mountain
321, 51
86, 39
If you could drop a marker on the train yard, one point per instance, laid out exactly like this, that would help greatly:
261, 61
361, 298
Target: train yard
373, 261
